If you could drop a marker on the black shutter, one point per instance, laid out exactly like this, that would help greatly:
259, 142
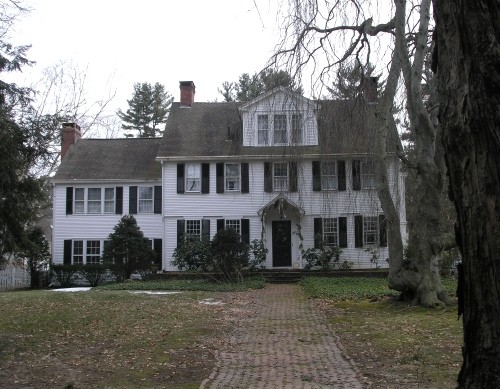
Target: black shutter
132, 200
245, 183
68, 246
205, 229
219, 173
382, 225
316, 172
180, 178
318, 232
358, 231
69, 200
220, 224
293, 177
245, 231
119, 200
158, 249
342, 232
356, 174
157, 199
268, 177
205, 178
341, 175
180, 231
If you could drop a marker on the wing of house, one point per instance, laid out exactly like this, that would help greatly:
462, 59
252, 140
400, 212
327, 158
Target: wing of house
281, 168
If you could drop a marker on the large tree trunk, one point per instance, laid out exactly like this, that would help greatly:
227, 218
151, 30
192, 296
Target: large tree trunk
468, 61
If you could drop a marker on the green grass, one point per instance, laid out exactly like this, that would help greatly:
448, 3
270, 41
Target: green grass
189, 285
394, 345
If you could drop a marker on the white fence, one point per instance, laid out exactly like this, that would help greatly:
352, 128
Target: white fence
13, 277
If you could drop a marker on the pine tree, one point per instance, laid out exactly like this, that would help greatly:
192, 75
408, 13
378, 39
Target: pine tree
127, 249
148, 110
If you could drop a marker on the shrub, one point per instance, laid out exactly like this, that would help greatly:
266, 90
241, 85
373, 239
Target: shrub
228, 254
64, 274
259, 251
192, 254
325, 257
93, 273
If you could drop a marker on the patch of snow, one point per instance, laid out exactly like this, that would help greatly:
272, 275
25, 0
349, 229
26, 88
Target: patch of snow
78, 289
211, 301
152, 292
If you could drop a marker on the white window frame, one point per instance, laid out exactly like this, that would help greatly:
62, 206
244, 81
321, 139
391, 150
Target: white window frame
370, 231
329, 179
145, 204
263, 129
232, 181
83, 205
367, 174
235, 224
193, 178
193, 227
297, 126
86, 251
331, 231
280, 182
280, 132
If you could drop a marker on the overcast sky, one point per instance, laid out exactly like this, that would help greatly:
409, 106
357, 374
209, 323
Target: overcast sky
122, 42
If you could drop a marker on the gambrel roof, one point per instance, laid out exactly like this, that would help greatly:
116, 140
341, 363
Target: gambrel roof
111, 159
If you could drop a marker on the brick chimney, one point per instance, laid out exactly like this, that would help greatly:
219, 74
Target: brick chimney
370, 89
187, 93
70, 135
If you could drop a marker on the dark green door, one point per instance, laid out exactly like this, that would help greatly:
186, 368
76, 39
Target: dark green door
282, 243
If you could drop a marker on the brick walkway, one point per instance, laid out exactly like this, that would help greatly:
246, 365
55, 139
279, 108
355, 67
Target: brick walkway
285, 343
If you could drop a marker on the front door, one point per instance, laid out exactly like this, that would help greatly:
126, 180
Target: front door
282, 243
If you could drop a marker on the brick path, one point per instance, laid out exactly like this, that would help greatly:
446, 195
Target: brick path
285, 343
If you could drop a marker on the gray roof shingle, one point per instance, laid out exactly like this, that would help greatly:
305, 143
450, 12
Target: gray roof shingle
119, 159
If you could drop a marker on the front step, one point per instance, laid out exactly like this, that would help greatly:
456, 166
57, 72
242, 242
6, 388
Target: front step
282, 277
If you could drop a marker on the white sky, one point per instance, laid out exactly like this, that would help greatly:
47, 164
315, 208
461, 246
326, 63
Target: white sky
121, 42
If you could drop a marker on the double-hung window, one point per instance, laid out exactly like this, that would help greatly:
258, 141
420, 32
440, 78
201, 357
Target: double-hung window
280, 129
109, 200
368, 174
145, 199
233, 177
77, 252
328, 175
370, 230
234, 224
330, 231
280, 176
79, 200
93, 251
193, 227
94, 200
263, 129
193, 177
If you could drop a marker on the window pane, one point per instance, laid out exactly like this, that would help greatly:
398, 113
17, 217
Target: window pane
330, 231
297, 124
193, 181
193, 227
145, 199
280, 129
262, 129
93, 251
232, 177
368, 174
109, 200
234, 224
328, 175
280, 176
79, 200
78, 252
94, 200
370, 230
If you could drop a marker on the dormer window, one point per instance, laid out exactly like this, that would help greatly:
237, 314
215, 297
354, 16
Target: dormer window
263, 129
280, 129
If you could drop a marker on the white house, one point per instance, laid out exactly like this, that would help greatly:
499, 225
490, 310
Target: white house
281, 168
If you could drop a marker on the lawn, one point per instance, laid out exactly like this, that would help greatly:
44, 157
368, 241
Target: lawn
110, 338
393, 344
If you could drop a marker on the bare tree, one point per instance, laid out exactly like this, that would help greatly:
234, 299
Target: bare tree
468, 68
319, 37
